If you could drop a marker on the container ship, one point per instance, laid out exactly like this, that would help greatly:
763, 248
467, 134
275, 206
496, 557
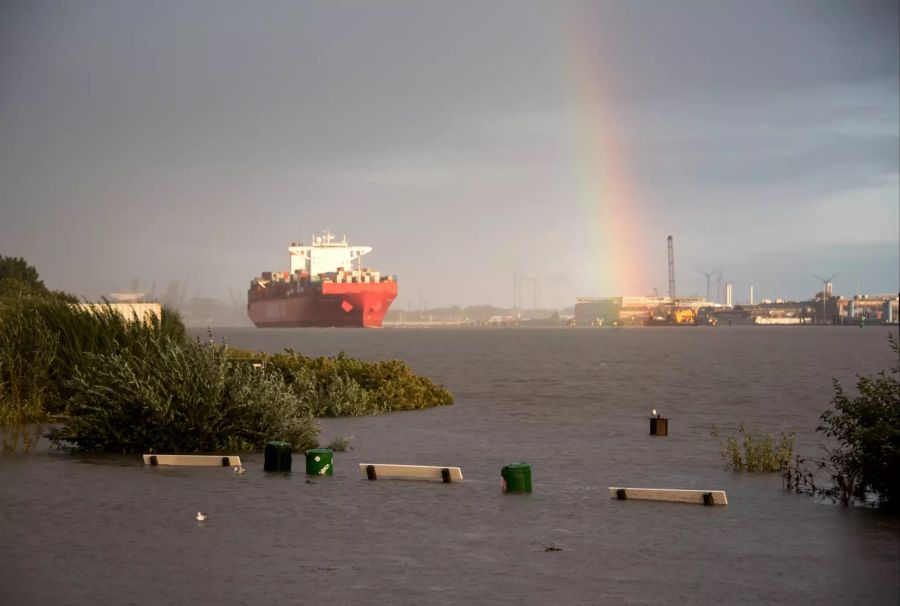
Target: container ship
326, 286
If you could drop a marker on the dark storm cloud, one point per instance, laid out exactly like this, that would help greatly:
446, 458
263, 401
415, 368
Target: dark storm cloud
193, 140
669, 49
821, 163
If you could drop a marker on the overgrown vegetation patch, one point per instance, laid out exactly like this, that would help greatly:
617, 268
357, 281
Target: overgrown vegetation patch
861, 463
754, 452
118, 384
342, 386
173, 396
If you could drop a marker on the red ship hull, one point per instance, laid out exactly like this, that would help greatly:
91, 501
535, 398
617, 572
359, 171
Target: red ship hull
324, 305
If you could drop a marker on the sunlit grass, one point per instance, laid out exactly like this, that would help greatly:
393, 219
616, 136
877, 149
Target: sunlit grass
755, 452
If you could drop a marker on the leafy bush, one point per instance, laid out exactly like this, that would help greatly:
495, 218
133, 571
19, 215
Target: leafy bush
342, 386
19, 279
864, 467
755, 452
175, 396
867, 429
332, 396
341, 444
353, 387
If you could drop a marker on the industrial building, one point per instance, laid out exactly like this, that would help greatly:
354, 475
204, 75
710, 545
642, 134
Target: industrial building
873, 308
630, 311
823, 308
637, 310
611, 310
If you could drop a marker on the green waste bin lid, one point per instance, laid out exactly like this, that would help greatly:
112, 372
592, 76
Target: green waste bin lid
517, 466
318, 450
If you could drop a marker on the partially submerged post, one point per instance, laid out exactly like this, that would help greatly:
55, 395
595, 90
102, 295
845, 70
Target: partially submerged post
278, 456
658, 425
319, 462
516, 477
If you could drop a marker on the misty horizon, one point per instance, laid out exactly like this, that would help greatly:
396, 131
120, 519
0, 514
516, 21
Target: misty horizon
194, 142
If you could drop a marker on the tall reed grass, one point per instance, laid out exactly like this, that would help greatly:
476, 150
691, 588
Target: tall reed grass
754, 452
176, 396
43, 339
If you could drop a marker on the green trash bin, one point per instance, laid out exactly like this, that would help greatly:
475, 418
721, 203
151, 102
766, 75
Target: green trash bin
278, 456
319, 462
516, 477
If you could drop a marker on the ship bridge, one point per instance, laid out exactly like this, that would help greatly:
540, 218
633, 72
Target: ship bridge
326, 255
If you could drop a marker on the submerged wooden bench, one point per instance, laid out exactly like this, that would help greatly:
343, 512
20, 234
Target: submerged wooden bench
376, 471
698, 497
193, 460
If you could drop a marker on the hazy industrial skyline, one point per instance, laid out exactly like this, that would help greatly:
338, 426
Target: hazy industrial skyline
463, 141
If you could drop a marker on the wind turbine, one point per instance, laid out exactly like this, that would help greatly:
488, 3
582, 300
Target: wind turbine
825, 282
534, 289
825, 290
708, 275
517, 292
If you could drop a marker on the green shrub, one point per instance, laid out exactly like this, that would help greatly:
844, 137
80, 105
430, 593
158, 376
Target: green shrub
755, 452
867, 430
123, 385
42, 341
864, 466
341, 444
175, 396
353, 387
19, 280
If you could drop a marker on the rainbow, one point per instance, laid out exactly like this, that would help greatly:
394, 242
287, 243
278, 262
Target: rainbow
607, 191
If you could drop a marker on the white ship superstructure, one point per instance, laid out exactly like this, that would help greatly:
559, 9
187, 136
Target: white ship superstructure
326, 255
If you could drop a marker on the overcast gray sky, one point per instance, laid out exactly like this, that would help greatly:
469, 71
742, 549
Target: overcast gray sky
462, 140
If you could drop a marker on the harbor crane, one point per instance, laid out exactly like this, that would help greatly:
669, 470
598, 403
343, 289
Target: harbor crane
671, 269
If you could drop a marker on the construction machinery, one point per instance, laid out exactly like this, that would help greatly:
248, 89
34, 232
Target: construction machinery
683, 316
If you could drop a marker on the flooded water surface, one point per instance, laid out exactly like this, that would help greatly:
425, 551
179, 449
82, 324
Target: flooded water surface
573, 403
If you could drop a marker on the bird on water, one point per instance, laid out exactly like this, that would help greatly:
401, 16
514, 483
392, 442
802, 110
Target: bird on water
201, 515
239, 469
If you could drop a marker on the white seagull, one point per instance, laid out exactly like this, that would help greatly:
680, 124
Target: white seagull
201, 515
